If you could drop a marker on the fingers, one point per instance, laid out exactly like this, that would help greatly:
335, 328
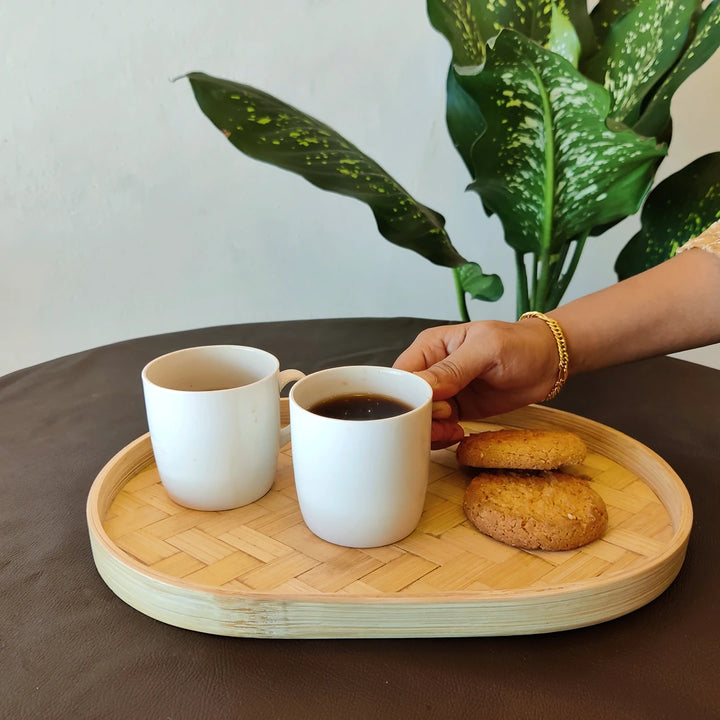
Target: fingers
442, 410
446, 357
445, 433
481, 368
429, 347
451, 374
412, 359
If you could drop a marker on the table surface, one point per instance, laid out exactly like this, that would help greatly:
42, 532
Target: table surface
69, 648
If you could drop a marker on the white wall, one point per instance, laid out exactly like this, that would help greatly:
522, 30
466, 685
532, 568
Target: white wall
123, 212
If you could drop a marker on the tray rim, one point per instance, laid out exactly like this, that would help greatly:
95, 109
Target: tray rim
664, 566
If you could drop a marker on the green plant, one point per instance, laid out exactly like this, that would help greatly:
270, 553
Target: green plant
561, 116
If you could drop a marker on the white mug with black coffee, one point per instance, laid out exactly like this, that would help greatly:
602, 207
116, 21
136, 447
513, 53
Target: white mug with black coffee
214, 419
361, 453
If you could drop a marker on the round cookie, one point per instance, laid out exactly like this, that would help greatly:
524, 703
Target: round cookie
550, 510
521, 449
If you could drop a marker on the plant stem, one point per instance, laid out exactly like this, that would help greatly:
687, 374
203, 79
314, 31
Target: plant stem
564, 280
539, 301
522, 300
558, 265
460, 293
548, 215
553, 272
532, 300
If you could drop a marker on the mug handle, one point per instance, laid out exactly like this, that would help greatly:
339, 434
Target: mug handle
285, 377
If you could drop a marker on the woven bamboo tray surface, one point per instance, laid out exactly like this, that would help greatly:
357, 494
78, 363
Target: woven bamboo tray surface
258, 571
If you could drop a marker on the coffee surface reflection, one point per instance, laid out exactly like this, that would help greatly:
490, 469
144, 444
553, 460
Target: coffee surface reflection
360, 406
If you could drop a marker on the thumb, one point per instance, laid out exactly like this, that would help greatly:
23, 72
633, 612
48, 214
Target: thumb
450, 375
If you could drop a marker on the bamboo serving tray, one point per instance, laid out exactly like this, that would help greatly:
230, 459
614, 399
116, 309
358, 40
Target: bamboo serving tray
257, 571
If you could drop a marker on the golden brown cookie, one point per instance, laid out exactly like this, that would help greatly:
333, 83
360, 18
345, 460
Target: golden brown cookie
549, 510
520, 449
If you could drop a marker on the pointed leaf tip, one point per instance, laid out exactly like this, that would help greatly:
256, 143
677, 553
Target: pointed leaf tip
268, 129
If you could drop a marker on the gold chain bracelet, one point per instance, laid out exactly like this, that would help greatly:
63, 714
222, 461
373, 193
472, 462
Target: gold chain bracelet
564, 359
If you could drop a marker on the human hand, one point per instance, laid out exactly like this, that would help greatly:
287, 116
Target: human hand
481, 368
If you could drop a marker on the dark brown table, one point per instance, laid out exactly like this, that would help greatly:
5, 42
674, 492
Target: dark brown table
69, 648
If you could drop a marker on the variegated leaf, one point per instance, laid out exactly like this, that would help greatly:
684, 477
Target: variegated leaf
458, 22
606, 13
563, 39
679, 208
464, 119
269, 130
638, 50
469, 24
655, 119
548, 165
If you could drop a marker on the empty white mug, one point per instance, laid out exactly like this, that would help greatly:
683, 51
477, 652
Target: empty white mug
214, 419
361, 483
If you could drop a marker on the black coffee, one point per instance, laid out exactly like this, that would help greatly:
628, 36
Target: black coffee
360, 407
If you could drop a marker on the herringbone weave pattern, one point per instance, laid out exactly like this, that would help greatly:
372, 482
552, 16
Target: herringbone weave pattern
266, 548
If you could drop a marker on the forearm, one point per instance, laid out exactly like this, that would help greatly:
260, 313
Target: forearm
674, 306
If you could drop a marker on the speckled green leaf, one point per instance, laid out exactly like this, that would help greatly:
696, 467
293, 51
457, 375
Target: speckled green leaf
458, 21
679, 208
469, 24
269, 130
606, 13
479, 285
655, 119
548, 165
464, 119
638, 50
563, 39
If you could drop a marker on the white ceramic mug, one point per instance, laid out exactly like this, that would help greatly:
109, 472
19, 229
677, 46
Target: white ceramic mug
214, 419
361, 483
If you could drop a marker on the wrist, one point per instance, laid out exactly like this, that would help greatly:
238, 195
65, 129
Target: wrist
554, 338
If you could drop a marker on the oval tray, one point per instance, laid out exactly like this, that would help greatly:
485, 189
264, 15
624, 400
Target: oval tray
257, 571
